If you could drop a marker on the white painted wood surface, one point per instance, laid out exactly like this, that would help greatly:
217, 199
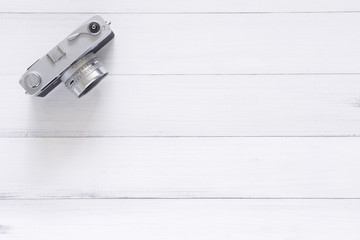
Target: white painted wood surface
178, 6
307, 43
235, 119
325, 105
180, 168
180, 219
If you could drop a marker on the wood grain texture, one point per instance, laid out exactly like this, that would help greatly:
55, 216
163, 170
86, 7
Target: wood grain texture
180, 219
200, 43
179, 168
189, 106
159, 6
183, 74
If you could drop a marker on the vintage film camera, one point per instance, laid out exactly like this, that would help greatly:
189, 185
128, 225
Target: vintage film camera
73, 61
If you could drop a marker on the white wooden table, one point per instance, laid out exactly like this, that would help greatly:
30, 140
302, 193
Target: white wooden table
221, 119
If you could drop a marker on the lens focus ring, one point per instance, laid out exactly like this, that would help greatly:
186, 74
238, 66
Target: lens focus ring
84, 74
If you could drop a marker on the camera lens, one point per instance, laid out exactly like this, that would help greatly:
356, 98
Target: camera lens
84, 74
94, 27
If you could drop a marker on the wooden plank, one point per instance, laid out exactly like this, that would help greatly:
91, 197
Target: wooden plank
188, 106
180, 219
198, 43
125, 6
179, 168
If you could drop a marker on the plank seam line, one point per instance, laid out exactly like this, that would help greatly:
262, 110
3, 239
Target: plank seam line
237, 74
190, 13
175, 198
283, 136
222, 74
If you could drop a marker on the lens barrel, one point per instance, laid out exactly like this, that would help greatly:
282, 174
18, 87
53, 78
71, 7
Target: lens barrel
84, 74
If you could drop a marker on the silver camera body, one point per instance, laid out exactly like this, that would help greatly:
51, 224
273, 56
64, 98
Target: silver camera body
72, 61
